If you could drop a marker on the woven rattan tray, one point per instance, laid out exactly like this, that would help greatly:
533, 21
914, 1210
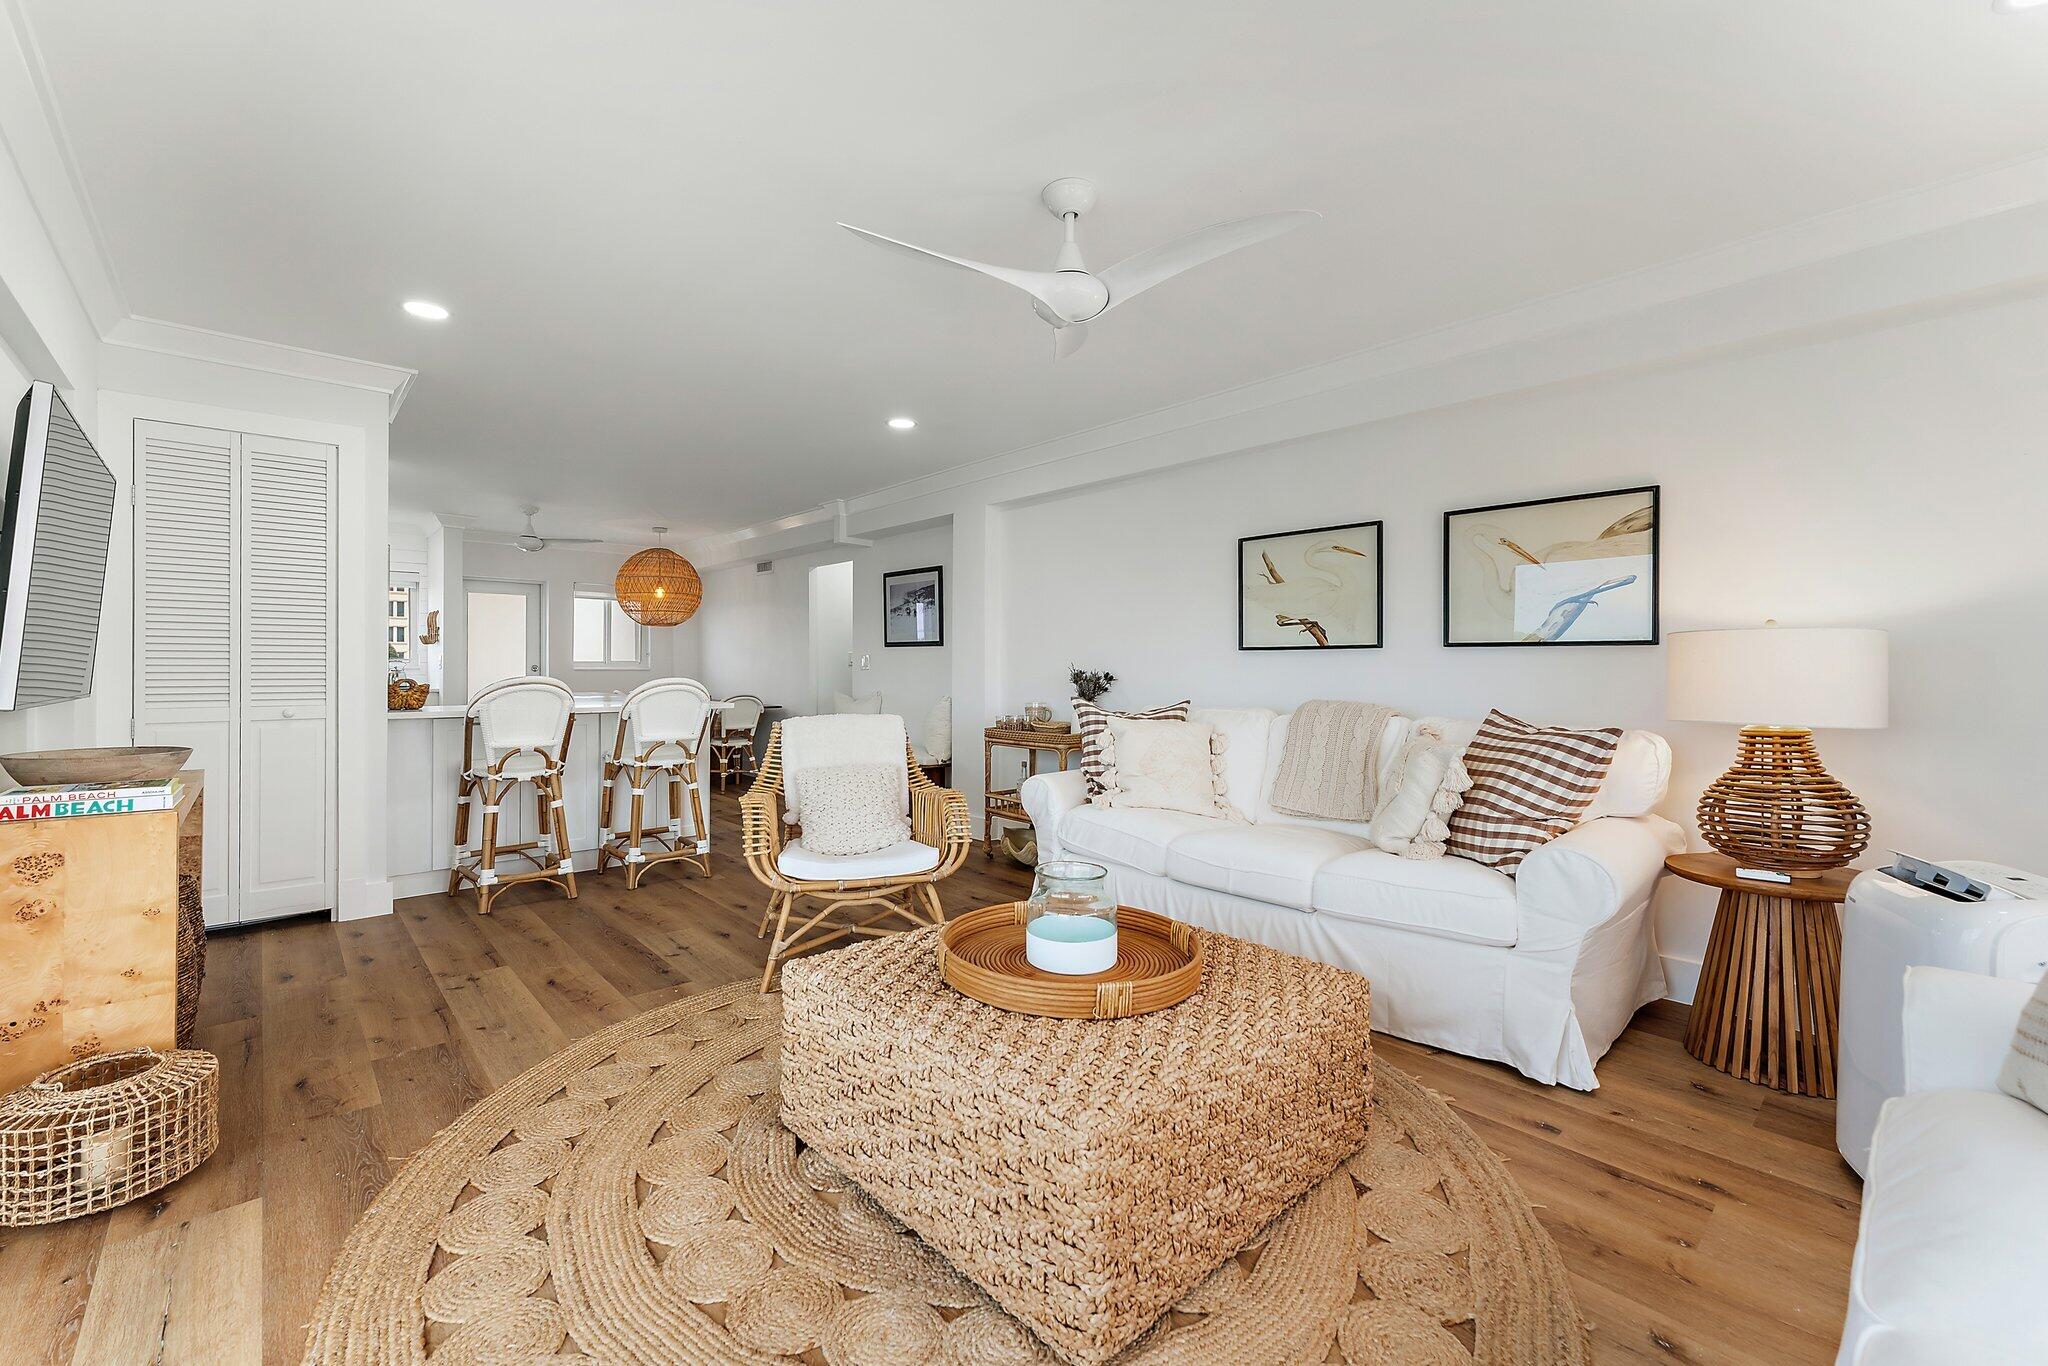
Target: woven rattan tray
1158, 964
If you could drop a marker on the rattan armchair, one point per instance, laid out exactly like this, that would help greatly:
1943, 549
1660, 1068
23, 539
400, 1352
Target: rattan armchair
938, 818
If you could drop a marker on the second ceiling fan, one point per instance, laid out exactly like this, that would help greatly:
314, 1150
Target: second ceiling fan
1070, 296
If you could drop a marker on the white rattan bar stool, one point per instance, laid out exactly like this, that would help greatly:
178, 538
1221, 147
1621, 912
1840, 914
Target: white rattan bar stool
732, 739
662, 730
515, 732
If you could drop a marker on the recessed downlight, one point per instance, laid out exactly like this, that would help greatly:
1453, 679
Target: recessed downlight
2015, 6
902, 424
420, 308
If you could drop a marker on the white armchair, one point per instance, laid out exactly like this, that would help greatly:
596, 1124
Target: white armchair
1953, 1246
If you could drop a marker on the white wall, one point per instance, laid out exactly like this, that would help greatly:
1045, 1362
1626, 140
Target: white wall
756, 629
831, 631
909, 677
1895, 479
675, 649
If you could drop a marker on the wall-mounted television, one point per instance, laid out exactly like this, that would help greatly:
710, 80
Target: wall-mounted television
54, 530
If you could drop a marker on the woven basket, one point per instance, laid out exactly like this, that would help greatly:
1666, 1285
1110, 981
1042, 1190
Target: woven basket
405, 694
106, 1130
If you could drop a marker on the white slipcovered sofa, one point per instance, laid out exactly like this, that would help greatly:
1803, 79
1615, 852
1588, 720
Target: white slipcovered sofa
1541, 970
1953, 1246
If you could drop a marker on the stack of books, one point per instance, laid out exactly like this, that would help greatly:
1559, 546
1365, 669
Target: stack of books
49, 800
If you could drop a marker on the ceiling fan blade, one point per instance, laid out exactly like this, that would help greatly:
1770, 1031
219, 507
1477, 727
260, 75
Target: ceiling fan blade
1036, 283
1069, 339
1134, 275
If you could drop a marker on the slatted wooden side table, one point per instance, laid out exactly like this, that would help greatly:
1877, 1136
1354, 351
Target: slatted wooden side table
1770, 987
1004, 805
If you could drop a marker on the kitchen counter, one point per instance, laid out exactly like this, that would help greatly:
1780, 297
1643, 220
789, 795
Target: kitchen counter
587, 704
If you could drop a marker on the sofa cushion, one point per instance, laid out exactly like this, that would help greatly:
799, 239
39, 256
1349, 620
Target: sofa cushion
1448, 897
1637, 779
1271, 862
1134, 836
1953, 1213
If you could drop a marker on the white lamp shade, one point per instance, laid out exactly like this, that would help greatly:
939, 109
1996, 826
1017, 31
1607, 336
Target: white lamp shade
1821, 678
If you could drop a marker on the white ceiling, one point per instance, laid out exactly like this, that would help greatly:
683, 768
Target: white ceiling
629, 206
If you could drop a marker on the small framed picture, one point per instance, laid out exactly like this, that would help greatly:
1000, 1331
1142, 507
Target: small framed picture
914, 606
1581, 570
1319, 589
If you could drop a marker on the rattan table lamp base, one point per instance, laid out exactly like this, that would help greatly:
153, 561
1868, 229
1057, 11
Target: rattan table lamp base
1779, 810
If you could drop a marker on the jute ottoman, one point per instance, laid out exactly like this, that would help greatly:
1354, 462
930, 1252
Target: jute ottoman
1087, 1173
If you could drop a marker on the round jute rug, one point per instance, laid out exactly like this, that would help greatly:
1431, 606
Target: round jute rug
634, 1198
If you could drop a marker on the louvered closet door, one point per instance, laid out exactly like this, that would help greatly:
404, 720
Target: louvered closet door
287, 631
185, 665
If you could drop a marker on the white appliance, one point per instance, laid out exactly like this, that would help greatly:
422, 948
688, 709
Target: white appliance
1889, 925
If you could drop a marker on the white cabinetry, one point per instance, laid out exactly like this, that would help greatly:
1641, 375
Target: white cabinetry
234, 652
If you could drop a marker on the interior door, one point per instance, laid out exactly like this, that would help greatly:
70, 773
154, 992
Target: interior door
505, 627
287, 701
186, 655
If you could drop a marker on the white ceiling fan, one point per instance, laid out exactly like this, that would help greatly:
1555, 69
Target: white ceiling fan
530, 540
1069, 296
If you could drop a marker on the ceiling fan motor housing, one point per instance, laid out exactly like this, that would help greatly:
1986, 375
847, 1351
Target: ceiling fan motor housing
1077, 296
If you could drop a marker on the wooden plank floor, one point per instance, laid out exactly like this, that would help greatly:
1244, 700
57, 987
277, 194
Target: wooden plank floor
1705, 1220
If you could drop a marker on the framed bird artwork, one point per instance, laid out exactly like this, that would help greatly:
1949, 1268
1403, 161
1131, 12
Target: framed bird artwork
1581, 570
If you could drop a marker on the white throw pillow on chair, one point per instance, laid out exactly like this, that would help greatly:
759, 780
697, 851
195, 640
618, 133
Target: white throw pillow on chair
845, 704
852, 809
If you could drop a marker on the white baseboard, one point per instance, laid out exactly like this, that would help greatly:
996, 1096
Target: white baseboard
1681, 978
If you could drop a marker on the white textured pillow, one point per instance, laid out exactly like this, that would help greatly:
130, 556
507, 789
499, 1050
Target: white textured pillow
846, 704
1165, 765
1414, 819
853, 809
938, 731
2024, 1074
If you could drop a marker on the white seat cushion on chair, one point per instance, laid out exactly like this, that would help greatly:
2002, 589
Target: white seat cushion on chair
1275, 863
1136, 837
1450, 897
898, 860
523, 763
1953, 1215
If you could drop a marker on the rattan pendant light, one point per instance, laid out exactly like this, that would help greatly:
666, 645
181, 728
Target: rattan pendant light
658, 587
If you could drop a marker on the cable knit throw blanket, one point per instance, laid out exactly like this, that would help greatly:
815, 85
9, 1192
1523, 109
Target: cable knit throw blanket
1329, 768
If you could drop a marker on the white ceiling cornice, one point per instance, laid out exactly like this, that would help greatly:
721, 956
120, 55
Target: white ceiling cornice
276, 358
32, 132
1973, 240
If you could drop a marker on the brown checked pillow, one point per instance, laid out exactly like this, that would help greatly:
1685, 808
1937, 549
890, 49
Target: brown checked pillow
1093, 724
1530, 784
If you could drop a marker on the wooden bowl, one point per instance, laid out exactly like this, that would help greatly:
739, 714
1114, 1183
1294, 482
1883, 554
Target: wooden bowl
119, 764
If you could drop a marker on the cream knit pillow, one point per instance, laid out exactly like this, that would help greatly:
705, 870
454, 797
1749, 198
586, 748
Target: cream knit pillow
1165, 765
1414, 820
2024, 1075
853, 809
